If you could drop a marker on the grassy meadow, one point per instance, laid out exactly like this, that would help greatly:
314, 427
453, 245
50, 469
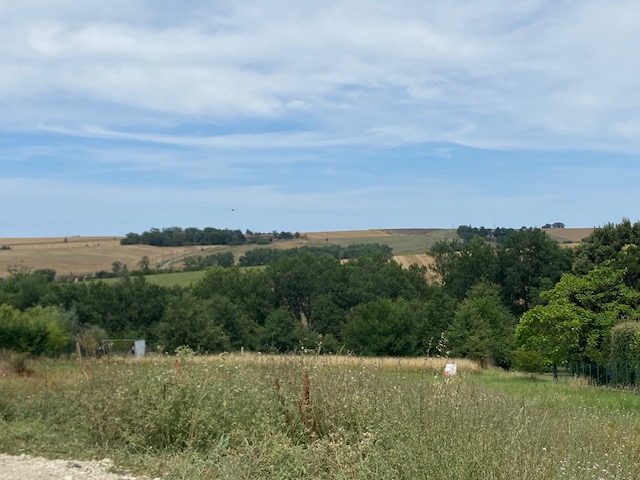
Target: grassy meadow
307, 416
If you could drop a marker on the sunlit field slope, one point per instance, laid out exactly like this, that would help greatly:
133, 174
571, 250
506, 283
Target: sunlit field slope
82, 256
79, 256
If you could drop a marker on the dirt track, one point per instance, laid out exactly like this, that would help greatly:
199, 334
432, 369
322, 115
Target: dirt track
25, 467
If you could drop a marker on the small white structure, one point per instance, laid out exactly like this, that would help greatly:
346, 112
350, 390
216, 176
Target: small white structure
450, 369
139, 348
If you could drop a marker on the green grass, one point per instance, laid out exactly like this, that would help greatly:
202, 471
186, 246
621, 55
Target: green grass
181, 279
571, 391
297, 417
400, 244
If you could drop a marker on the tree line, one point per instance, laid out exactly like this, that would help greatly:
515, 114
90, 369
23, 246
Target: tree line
525, 303
178, 237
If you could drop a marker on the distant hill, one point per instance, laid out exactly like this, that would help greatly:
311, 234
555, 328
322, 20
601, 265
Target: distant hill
81, 256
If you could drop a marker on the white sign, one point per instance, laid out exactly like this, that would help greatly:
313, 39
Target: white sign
139, 348
450, 369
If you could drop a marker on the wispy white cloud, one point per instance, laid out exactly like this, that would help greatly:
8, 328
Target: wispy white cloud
532, 73
265, 95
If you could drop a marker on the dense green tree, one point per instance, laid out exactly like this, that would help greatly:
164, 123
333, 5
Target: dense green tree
238, 327
475, 262
436, 314
24, 289
35, 331
604, 245
191, 322
125, 309
624, 358
483, 327
375, 276
529, 261
299, 281
628, 261
382, 327
282, 332
575, 323
442, 252
252, 290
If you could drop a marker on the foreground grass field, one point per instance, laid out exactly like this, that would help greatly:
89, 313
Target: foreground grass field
319, 417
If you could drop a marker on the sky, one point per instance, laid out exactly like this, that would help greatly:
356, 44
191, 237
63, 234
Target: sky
126, 115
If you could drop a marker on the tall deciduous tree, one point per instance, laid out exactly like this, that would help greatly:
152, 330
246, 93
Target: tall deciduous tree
529, 261
382, 327
299, 281
483, 327
605, 244
475, 262
575, 323
191, 322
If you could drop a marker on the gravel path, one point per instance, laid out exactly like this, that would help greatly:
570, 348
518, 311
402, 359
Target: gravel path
25, 467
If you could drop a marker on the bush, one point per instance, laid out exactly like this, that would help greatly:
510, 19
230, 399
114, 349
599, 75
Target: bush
624, 359
36, 331
530, 361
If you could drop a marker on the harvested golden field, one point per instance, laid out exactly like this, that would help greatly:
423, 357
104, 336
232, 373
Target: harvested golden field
80, 256
568, 235
83, 256
420, 259
59, 242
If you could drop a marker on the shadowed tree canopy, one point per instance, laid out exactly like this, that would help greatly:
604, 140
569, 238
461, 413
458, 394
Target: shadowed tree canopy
475, 262
529, 261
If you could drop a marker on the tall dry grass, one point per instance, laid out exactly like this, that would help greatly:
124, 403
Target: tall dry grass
263, 416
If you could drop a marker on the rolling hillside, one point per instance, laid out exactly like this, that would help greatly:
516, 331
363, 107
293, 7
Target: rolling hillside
81, 256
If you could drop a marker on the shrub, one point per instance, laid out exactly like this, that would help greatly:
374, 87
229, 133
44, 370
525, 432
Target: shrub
530, 361
624, 358
35, 331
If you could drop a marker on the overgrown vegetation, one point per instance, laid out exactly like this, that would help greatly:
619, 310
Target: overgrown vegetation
317, 417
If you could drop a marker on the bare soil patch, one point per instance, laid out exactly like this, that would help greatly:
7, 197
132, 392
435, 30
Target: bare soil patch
26, 467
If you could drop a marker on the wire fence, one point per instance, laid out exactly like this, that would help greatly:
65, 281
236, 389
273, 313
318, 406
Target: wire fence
621, 373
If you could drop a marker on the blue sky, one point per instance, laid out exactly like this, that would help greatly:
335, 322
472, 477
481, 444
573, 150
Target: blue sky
125, 115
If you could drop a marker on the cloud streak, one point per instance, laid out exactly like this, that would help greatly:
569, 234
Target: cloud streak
298, 96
